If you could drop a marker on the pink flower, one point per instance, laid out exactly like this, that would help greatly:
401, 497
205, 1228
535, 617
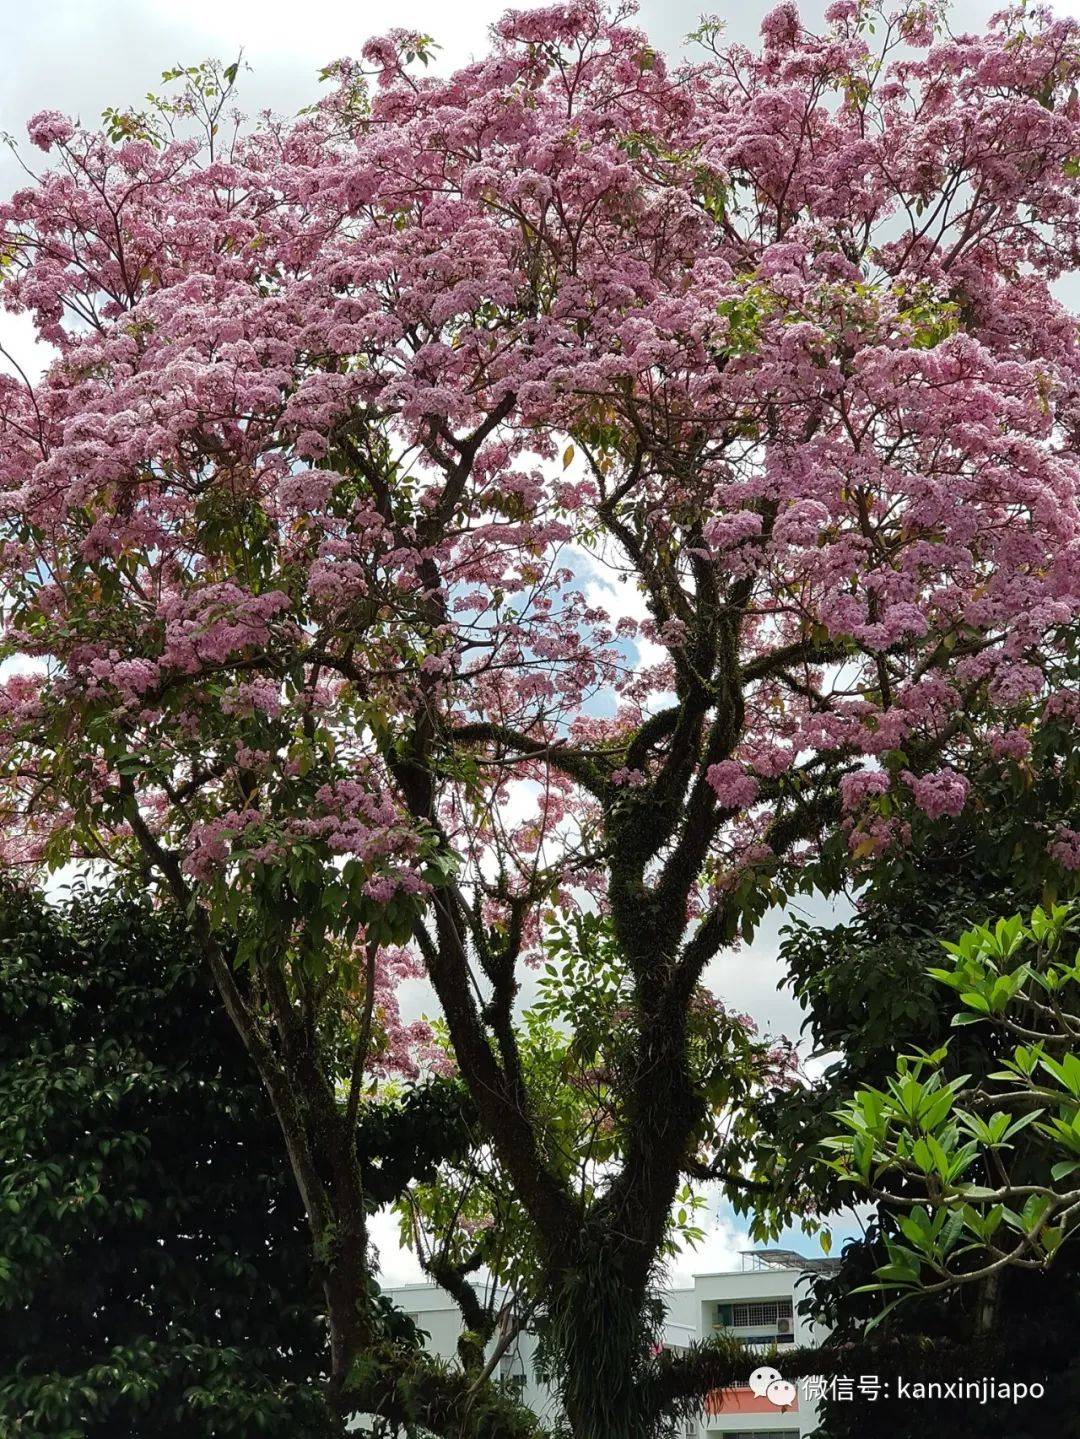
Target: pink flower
733, 787
631, 778
1010, 744
48, 128
1065, 848
780, 27
725, 531
943, 792
856, 789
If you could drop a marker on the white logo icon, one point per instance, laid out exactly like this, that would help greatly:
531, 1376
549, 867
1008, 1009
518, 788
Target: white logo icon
762, 1378
768, 1384
781, 1392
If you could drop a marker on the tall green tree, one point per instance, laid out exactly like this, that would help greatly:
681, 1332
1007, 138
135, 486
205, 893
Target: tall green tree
869, 995
973, 1168
155, 1274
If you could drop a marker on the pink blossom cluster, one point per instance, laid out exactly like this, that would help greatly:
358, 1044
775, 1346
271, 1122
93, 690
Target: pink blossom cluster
1065, 847
360, 426
857, 788
405, 1049
943, 792
733, 787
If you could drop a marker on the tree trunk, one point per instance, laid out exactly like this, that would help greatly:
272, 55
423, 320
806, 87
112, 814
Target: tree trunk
600, 1338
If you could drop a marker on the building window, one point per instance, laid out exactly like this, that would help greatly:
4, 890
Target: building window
758, 1434
745, 1315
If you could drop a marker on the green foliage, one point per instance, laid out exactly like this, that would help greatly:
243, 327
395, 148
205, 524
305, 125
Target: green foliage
586, 997
988, 1199
869, 994
202, 93
154, 1262
404, 1139
745, 313
866, 983
926, 318
577, 1044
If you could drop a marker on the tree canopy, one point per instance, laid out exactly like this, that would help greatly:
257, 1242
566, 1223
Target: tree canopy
154, 1263
304, 528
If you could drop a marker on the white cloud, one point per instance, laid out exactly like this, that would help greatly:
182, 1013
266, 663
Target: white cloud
718, 1253
397, 1265
748, 978
22, 665
23, 350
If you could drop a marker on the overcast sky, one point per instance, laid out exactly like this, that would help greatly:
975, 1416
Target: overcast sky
79, 56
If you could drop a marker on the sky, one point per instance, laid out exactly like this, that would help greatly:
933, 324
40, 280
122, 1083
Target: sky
79, 56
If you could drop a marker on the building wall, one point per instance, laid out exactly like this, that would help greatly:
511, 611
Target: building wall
716, 1302
439, 1317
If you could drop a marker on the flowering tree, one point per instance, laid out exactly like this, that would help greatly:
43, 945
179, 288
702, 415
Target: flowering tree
304, 523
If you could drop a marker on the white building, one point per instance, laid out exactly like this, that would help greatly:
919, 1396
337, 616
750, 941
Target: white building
758, 1303
435, 1313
